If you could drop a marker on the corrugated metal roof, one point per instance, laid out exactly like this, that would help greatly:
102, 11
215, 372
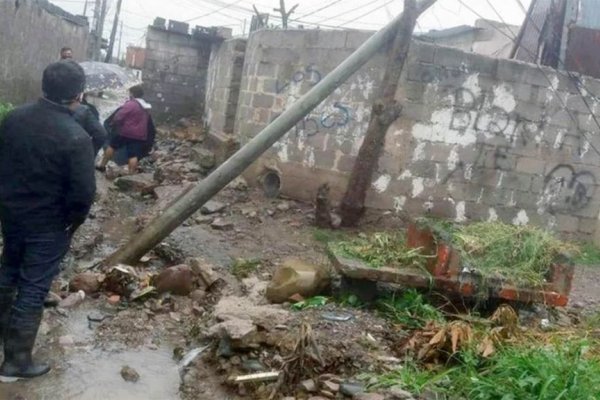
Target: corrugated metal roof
589, 14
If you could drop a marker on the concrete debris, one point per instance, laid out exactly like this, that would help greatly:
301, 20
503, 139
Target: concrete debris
238, 183
140, 183
129, 374
203, 270
212, 207
198, 295
297, 277
331, 386
351, 389
309, 386
255, 289
204, 158
89, 282
169, 194
242, 333
73, 300
121, 279
222, 224
177, 280
114, 299
66, 341
283, 206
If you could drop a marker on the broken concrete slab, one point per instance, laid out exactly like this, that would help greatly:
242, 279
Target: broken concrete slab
267, 317
139, 183
167, 195
203, 270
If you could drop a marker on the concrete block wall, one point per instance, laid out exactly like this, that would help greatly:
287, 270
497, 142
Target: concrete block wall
222, 95
175, 72
32, 32
479, 138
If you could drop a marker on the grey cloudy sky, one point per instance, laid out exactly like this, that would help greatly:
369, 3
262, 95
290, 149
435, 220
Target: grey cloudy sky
363, 14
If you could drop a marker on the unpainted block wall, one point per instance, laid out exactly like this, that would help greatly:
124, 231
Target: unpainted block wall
479, 138
222, 94
175, 71
31, 38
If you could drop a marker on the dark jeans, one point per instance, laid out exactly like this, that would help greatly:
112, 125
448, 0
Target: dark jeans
29, 264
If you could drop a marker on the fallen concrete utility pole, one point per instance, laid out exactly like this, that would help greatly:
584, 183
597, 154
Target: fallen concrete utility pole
172, 217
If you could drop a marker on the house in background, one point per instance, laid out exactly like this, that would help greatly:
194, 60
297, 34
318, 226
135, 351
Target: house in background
135, 58
486, 37
563, 34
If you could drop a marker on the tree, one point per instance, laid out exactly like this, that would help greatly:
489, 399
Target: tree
384, 112
285, 15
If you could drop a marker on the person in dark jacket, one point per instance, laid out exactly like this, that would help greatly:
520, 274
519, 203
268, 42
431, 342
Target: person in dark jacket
131, 124
85, 115
47, 186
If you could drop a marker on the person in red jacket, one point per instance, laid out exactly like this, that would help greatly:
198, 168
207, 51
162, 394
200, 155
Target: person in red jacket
131, 125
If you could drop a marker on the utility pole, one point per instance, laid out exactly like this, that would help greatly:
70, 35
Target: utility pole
113, 33
97, 35
384, 112
100, 31
160, 227
285, 15
120, 43
85, 6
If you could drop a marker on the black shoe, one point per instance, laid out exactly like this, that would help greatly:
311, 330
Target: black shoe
18, 346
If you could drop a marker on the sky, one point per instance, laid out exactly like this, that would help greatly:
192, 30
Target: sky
327, 14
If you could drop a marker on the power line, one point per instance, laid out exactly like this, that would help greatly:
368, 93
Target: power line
215, 11
573, 119
368, 13
334, 2
348, 11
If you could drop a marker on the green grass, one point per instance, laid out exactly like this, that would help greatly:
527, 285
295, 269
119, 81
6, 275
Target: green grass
312, 302
381, 249
5, 108
410, 310
589, 255
564, 371
243, 268
327, 236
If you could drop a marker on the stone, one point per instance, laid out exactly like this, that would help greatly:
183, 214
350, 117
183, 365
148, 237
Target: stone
241, 333
129, 374
140, 183
309, 386
52, 300
331, 386
66, 340
114, 299
351, 389
204, 271
398, 394
221, 224
336, 220
212, 207
73, 300
327, 394
177, 280
89, 282
283, 206
297, 277
369, 396
204, 158
238, 183
198, 295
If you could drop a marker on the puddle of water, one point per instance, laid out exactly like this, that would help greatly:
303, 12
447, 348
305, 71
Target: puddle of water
95, 375
86, 372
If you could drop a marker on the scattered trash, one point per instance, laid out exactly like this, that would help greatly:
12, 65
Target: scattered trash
190, 356
339, 317
259, 377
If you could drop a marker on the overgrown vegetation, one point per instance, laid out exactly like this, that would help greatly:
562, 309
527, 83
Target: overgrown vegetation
560, 371
588, 255
243, 268
498, 250
410, 309
5, 108
382, 249
312, 302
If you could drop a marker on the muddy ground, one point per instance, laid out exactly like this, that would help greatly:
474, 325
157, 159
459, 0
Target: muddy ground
91, 342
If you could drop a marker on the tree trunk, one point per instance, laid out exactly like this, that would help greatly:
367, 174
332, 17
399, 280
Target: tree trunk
384, 112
